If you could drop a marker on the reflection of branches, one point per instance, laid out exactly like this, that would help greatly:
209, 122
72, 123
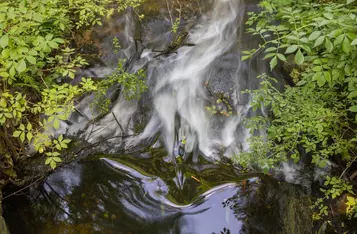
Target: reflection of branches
225, 231
51, 201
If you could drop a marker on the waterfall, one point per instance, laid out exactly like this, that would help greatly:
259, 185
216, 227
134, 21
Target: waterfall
194, 95
179, 89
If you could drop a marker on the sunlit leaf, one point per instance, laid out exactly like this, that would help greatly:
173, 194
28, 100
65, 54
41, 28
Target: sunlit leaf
299, 57
4, 40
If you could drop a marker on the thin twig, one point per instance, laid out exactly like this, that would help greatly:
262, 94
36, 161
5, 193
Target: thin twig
118, 122
170, 11
22, 189
349, 164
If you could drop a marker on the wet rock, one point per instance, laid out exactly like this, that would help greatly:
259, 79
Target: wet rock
3, 226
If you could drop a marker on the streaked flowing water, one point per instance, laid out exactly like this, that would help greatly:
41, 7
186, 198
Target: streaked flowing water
194, 94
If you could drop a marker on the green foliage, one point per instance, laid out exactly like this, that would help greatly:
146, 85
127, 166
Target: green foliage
334, 188
301, 119
337, 187
317, 42
36, 63
12, 107
131, 84
351, 207
175, 26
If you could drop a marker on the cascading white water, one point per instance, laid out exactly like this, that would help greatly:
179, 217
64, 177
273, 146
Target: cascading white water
181, 87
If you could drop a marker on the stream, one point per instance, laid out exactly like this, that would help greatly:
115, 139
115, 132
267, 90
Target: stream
165, 164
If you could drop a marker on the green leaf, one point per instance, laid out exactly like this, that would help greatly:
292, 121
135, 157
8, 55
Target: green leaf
53, 164
273, 63
339, 40
22, 50
319, 41
354, 42
270, 49
329, 16
353, 109
321, 80
319, 128
57, 159
48, 160
346, 45
299, 58
49, 37
31, 59
53, 44
22, 136
328, 45
327, 76
4, 40
56, 123
16, 133
349, 1
5, 53
29, 136
291, 49
335, 33
245, 57
316, 75
269, 55
351, 201
21, 66
8, 115
59, 40
281, 57
22, 127
314, 35
352, 94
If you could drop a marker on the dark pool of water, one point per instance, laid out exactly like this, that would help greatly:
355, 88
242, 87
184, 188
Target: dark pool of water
129, 194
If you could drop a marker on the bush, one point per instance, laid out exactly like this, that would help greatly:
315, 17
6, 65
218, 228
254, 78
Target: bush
36, 65
317, 115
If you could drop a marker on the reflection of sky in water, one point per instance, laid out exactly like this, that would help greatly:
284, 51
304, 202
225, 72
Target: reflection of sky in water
214, 217
105, 196
141, 198
63, 184
65, 180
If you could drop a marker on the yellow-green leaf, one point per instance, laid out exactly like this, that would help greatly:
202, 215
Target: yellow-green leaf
273, 63
29, 136
352, 94
4, 40
16, 133
313, 36
291, 49
21, 66
319, 41
299, 57
353, 109
31, 59
328, 45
